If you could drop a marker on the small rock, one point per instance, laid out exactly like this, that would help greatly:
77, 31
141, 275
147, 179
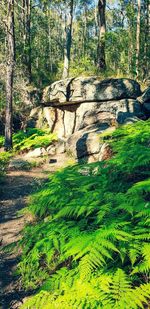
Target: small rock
17, 164
53, 161
51, 150
38, 152
84, 171
131, 120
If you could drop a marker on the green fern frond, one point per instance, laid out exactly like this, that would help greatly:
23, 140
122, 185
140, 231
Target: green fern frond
104, 291
89, 224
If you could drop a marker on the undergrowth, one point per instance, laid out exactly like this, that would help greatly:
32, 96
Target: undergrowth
4, 159
89, 245
24, 141
32, 138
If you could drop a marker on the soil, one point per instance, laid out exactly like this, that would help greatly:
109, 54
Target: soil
14, 195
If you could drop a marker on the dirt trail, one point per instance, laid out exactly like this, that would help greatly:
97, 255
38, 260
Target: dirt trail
17, 186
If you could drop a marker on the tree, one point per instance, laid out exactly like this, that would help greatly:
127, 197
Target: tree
138, 38
10, 73
101, 63
27, 36
43, 44
68, 38
147, 40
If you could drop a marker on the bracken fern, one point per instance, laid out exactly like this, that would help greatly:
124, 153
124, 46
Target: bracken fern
89, 247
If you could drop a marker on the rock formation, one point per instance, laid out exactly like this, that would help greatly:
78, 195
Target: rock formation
80, 109
90, 89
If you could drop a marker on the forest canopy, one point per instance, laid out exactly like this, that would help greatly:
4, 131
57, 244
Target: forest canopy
42, 41
42, 28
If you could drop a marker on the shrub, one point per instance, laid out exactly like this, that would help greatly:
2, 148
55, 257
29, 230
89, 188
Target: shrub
1, 141
31, 139
4, 159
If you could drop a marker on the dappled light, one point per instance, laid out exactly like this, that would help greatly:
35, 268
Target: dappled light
86, 218
74, 154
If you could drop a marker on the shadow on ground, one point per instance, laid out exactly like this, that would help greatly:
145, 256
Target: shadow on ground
14, 193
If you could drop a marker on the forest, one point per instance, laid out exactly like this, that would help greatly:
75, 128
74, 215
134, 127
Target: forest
75, 154
51, 38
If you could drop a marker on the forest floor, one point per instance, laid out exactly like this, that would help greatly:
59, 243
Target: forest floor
15, 192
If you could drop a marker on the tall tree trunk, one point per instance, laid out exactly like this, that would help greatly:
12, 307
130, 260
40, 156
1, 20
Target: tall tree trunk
85, 38
10, 74
96, 18
138, 30
68, 40
147, 40
27, 37
50, 63
130, 51
130, 42
101, 62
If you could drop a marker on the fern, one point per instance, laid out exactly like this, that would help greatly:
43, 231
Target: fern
89, 246
31, 139
104, 291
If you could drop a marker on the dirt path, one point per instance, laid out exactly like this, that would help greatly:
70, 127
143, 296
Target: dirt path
17, 186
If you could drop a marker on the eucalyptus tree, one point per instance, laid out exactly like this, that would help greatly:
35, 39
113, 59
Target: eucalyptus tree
26, 14
68, 37
10, 73
101, 62
146, 64
55, 38
138, 33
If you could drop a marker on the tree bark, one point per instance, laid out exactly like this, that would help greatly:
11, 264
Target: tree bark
10, 74
130, 42
101, 62
96, 19
147, 40
138, 30
68, 40
85, 30
27, 37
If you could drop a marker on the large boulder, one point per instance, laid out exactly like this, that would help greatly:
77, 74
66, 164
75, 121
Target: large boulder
109, 112
38, 152
66, 120
86, 144
147, 107
78, 110
75, 103
145, 97
88, 89
35, 118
